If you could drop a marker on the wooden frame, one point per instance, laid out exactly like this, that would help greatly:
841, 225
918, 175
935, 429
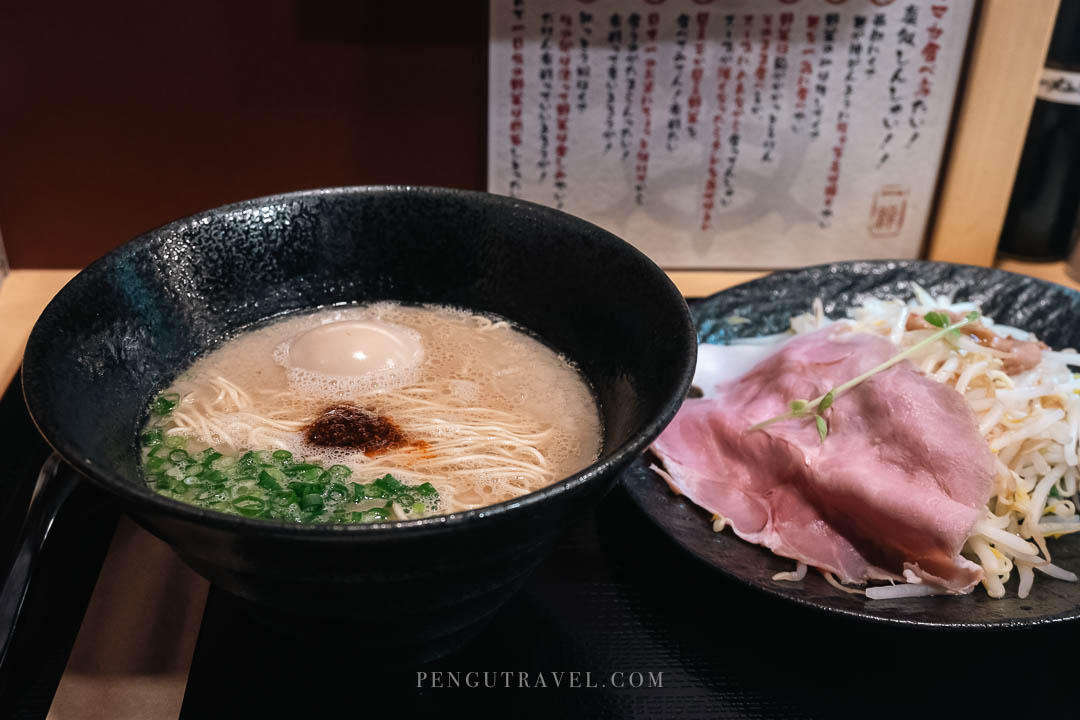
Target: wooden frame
1007, 55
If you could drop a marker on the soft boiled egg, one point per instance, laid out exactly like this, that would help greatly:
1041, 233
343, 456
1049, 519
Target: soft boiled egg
356, 347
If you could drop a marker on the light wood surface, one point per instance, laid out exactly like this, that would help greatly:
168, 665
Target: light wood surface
695, 283
23, 295
1007, 58
1054, 272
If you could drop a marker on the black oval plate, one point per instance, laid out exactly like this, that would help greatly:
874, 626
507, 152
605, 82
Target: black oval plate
1051, 311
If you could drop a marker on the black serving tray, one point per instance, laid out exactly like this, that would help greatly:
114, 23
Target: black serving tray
64, 571
616, 596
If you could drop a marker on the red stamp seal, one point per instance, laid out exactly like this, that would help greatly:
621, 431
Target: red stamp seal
887, 211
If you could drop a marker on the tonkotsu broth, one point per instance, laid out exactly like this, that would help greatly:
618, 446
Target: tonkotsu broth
488, 414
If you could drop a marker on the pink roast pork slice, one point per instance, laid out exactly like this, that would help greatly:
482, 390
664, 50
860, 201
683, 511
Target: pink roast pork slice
897, 485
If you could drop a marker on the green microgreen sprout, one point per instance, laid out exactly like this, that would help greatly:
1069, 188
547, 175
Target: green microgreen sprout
816, 407
937, 318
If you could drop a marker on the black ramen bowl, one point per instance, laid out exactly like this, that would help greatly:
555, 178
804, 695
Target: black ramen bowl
123, 328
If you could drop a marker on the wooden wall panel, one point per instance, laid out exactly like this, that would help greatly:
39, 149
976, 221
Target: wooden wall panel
1006, 61
118, 117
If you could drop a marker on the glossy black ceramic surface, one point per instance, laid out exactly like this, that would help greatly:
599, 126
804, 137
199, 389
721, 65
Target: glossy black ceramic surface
1051, 311
125, 326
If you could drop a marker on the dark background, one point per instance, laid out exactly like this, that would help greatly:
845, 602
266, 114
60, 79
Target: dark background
121, 116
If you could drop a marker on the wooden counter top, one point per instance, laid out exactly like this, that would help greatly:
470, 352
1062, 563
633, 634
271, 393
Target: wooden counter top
24, 293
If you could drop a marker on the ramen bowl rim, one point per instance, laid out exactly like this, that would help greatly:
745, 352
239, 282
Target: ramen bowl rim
141, 498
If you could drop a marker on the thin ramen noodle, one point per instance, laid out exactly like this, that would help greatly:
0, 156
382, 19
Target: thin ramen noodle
368, 413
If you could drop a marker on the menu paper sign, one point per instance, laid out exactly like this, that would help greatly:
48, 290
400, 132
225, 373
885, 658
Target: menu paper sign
728, 133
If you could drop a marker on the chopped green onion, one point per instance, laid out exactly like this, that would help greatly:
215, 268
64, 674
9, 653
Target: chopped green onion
164, 404
249, 505
266, 480
284, 498
224, 463
153, 464
306, 488
213, 477
374, 491
300, 468
339, 472
208, 456
274, 484
389, 483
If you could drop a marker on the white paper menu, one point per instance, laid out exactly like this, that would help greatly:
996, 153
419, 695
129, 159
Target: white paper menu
728, 133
